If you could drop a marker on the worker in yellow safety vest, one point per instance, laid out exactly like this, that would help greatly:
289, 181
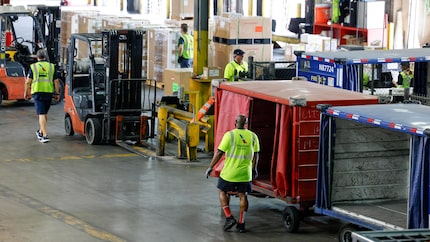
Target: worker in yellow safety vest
42, 84
241, 148
405, 77
185, 48
237, 69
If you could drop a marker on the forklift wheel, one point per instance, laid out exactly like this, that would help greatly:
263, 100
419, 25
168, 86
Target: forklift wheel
68, 127
93, 131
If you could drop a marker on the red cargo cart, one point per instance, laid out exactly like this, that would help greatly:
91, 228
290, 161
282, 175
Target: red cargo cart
284, 116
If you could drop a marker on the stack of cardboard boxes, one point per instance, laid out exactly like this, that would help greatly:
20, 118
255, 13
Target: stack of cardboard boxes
233, 31
310, 43
159, 43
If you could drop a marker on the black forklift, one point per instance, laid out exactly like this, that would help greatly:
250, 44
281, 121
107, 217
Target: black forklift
106, 98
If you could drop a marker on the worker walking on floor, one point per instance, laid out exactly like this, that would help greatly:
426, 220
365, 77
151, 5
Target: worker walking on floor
241, 147
42, 84
185, 48
237, 69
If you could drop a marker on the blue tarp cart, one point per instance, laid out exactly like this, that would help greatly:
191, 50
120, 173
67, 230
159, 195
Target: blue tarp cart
373, 166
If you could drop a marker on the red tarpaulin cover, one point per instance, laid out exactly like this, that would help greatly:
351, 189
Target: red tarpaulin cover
282, 151
231, 104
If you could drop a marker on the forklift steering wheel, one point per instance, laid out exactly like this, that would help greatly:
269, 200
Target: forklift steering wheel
18, 40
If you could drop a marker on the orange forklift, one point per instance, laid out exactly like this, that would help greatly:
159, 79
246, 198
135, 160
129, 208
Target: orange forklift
106, 98
22, 34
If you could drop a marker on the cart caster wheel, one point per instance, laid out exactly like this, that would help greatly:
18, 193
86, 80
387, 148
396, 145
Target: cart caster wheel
291, 219
345, 233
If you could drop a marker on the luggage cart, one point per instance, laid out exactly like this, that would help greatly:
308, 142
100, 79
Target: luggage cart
284, 116
344, 69
373, 167
415, 235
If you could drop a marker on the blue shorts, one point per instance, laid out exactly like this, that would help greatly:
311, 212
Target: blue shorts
42, 102
186, 63
226, 186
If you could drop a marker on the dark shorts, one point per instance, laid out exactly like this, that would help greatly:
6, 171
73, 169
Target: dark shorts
186, 63
226, 186
42, 102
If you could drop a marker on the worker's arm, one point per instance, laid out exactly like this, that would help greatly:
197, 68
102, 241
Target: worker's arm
254, 165
180, 46
255, 160
27, 88
217, 156
229, 72
180, 50
57, 90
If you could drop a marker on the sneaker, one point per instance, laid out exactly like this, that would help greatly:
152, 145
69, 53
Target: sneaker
229, 222
44, 139
39, 134
241, 227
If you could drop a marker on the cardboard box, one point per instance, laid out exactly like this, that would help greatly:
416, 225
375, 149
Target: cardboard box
182, 9
289, 51
242, 27
353, 40
176, 76
212, 73
223, 54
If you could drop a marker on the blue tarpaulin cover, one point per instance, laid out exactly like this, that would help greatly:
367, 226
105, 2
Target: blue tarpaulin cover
408, 118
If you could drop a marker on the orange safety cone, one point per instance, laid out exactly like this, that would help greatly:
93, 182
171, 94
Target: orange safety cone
204, 109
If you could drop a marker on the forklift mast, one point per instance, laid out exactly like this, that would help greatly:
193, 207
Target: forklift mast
49, 18
131, 43
112, 101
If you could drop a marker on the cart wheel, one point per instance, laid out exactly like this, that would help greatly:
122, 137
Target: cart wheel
291, 218
345, 233
93, 131
68, 127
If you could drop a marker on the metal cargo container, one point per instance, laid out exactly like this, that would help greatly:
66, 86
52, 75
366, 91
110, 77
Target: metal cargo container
284, 116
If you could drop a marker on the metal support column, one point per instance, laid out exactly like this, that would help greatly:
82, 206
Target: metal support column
201, 13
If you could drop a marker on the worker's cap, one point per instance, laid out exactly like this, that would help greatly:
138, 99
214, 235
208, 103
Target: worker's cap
238, 52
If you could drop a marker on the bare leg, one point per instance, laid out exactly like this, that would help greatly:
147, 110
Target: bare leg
223, 199
243, 210
243, 202
43, 120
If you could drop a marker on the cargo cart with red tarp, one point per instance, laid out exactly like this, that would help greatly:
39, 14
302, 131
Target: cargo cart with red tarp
284, 116
373, 167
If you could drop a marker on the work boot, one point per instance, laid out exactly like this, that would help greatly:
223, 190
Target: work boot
229, 222
241, 227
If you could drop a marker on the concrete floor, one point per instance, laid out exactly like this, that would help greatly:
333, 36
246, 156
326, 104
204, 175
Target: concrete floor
67, 190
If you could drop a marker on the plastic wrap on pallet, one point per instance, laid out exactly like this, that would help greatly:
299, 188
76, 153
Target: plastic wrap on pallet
161, 51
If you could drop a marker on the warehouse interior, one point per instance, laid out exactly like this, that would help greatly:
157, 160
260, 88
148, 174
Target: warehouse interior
133, 132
